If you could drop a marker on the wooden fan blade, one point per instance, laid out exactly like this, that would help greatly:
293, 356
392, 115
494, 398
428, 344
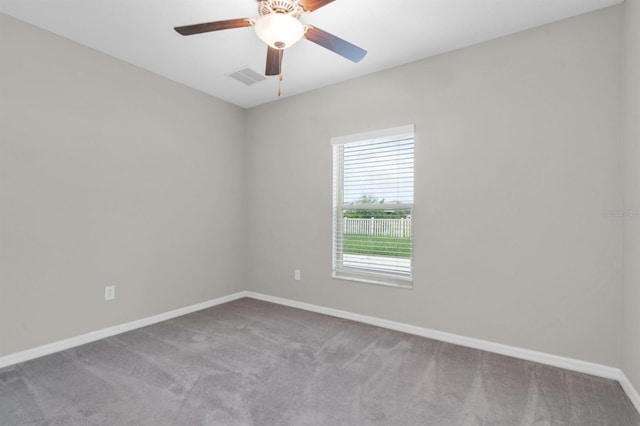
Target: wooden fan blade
274, 61
335, 44
311, 5
213, 26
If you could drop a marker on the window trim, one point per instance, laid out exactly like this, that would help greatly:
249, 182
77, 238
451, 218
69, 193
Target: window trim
352, 274
383, 135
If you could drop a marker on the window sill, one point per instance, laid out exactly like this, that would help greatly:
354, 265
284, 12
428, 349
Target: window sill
367, 278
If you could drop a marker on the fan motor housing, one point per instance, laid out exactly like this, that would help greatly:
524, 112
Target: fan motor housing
289, 7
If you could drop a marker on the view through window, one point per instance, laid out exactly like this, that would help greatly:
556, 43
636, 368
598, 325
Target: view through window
373, 206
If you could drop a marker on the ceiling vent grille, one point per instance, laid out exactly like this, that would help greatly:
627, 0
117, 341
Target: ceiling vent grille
247, 76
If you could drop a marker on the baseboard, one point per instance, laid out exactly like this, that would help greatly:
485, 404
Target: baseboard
72, 342
630, 390
526, 354
571, 364
512, 351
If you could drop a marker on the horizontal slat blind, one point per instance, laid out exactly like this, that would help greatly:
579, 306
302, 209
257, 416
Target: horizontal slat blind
373, 206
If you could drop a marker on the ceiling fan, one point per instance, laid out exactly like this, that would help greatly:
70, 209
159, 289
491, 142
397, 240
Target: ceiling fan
279, 26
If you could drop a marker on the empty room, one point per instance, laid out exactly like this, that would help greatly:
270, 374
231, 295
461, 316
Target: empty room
320, 212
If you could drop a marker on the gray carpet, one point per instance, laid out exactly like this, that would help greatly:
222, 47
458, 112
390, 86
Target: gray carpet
255, 363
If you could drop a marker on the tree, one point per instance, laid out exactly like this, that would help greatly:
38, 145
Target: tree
374, 213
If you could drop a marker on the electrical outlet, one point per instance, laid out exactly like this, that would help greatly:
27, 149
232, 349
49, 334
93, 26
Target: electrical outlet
110, 292
296, 274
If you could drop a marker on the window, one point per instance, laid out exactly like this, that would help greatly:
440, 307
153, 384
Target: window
373, 207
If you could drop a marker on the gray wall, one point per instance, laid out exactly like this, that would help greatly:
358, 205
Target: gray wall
631, 308
112, 175
109, 175
517, 155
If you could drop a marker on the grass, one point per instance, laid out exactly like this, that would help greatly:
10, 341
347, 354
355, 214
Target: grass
376, 246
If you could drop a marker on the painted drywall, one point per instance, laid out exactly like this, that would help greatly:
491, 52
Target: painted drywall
109, 175
112, 175
631, 218
517, 158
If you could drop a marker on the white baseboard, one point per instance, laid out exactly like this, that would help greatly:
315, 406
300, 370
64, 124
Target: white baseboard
631, 391
512, 351
72, 342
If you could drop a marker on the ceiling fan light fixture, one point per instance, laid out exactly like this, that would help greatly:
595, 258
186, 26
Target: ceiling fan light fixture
279, 30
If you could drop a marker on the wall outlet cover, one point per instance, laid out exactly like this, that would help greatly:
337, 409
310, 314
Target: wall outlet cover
110, 292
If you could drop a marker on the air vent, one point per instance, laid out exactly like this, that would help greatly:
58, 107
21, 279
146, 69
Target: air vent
247, 76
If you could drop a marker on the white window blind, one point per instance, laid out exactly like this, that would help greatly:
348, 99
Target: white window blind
373, 207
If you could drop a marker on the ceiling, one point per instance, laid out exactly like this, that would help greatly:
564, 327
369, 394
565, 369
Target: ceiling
393, 32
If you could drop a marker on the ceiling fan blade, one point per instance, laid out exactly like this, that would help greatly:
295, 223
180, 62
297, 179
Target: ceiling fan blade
335, 44
213, 26
311, 5
274, 61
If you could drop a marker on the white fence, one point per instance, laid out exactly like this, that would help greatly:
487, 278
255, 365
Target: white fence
399, 228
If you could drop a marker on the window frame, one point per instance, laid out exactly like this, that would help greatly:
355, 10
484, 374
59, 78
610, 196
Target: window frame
339, 271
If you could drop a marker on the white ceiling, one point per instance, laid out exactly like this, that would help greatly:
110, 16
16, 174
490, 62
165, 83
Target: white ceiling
394, 32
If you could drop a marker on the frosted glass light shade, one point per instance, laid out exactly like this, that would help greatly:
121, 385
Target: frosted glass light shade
279, 30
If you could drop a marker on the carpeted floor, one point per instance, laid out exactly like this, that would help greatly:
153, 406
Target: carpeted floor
249, 362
